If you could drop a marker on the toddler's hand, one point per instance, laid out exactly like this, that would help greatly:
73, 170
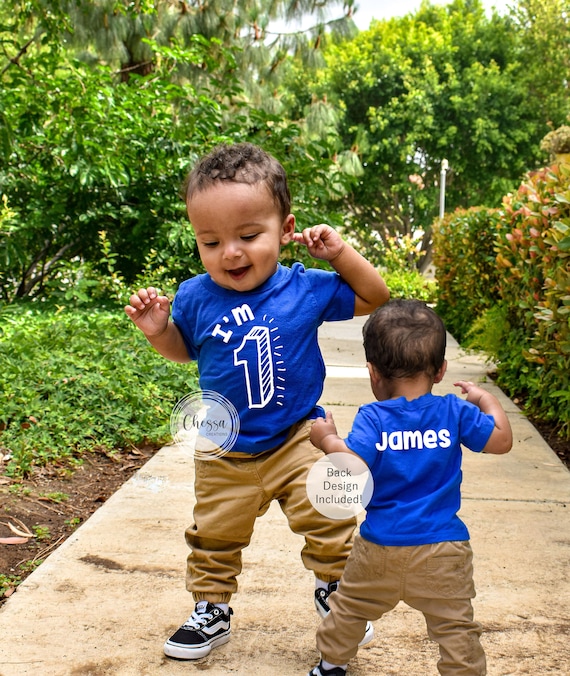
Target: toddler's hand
149, 311
321, 241
465, 386
321, 428
473, 392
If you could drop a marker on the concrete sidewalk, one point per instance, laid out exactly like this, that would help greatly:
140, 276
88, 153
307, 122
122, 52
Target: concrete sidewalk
105, 601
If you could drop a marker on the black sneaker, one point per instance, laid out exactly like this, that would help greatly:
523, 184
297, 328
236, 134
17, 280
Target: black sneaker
206, 628
323, 608
319, 670
322, 599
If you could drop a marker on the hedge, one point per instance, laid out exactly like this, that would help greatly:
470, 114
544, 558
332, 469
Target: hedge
504, 286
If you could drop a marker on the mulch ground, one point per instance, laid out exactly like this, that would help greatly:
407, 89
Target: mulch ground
38, 514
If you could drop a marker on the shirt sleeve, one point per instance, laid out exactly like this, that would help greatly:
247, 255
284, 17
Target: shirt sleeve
475, 426
332, 294
180, 312
361, 437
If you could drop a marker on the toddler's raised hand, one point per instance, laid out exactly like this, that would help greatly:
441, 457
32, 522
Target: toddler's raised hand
149, 311
322, 241
465, 386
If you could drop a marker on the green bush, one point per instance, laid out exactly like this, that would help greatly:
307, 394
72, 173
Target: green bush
398, 260
504, 287
466, 270
102, 155
410, 284
98, 156
534, 287
78, 380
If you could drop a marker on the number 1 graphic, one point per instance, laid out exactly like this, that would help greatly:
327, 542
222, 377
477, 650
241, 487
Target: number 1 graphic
255, 351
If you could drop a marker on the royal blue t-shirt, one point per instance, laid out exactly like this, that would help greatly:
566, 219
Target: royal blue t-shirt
413, 451
259, 349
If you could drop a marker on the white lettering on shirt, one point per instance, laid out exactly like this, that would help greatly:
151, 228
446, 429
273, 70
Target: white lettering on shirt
255, 355
405, 440
241, 314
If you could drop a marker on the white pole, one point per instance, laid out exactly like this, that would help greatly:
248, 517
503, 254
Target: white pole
444, 167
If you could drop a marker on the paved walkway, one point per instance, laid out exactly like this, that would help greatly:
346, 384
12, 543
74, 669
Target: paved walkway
104, 602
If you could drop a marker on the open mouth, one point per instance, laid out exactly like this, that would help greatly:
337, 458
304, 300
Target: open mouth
238, 273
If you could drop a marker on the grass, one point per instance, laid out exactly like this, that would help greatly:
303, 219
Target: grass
73, 380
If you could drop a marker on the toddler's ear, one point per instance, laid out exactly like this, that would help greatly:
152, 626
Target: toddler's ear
439, 375
373, 372
287, 229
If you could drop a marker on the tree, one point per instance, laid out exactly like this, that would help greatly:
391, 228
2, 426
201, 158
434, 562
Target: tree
81, 161
543, 27
89, 162
118, 32
444, 83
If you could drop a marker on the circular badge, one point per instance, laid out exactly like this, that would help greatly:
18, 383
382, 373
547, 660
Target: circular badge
205, 424
340, 485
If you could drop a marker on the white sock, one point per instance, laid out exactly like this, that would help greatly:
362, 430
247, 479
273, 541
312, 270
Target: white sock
328, 665
321, 584
223, 606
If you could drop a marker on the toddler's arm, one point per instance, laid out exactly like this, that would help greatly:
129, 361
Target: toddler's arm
326, 244
151, 312
501, 439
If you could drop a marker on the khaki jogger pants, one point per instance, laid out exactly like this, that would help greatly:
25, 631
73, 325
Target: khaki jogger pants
436, 579
231, 492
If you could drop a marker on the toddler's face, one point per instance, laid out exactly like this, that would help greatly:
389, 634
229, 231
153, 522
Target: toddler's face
239, 232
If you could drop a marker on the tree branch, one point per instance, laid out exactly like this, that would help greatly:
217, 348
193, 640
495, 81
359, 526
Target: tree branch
15, 60
34, 279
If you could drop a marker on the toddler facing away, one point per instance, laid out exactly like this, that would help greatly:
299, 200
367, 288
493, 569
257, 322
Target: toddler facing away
412, 545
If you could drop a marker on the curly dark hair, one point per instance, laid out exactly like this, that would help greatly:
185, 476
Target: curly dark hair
404, 338
240, 163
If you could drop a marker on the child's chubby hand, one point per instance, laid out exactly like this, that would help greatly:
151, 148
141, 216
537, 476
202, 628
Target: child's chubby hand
149, 311
470, 389
321, 428
322, 241
474, 393
465, 386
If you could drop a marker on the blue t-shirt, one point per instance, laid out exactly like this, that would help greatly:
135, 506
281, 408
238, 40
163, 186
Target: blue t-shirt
259, 349
413, 451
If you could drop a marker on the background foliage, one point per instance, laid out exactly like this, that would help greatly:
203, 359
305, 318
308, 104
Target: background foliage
106, 104
504, 281
75, 381
466, 269
444, 83
84, 149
